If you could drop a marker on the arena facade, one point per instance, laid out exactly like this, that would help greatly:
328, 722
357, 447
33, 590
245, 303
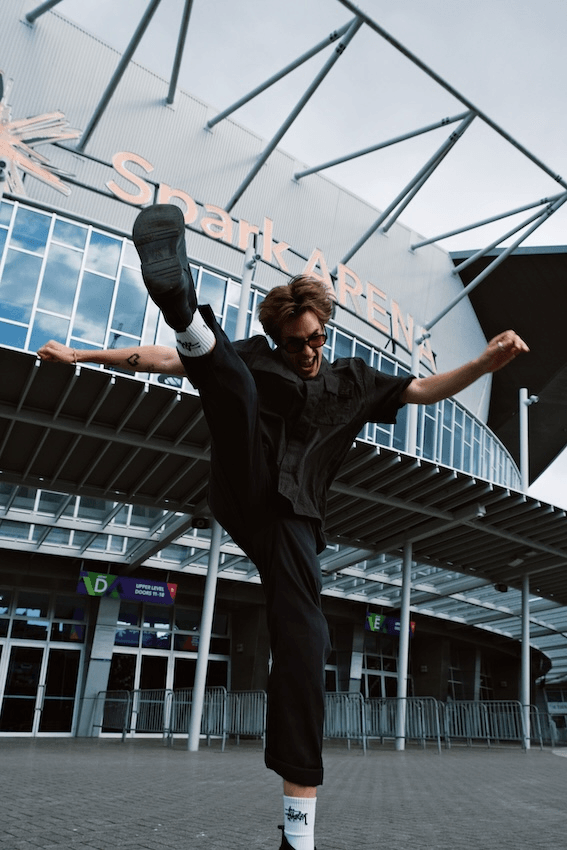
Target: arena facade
105, 532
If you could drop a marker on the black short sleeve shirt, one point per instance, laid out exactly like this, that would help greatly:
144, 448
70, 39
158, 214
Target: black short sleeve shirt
309, 426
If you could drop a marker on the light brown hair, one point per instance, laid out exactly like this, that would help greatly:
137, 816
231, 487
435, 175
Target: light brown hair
286, 302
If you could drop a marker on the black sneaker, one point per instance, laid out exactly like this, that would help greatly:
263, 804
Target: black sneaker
159, 237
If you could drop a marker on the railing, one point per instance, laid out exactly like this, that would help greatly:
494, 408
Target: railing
348, 717
345, 717
492, 721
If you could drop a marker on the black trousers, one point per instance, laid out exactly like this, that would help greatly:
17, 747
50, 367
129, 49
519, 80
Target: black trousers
283, 546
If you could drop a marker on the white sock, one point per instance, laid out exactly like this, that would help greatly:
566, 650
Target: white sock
299, 821
196, 340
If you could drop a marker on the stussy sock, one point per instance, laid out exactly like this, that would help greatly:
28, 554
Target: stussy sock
299, 821
197, 339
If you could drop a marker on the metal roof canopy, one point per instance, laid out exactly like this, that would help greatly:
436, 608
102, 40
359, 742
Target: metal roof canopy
89, 432
529, 289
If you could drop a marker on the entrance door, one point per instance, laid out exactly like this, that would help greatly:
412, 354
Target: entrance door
40, 690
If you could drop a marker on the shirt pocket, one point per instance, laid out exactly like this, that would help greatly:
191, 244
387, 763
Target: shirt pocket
337, 406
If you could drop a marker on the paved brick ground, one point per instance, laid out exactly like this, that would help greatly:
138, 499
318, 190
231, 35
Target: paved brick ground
102, 794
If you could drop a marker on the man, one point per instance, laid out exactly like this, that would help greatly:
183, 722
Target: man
281, 423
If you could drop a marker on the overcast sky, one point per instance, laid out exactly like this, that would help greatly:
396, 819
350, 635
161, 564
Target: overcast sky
507, 57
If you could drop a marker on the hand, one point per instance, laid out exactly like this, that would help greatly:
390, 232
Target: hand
503, 349
56, 351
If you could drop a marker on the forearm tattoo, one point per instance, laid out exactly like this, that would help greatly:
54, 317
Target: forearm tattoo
133, 360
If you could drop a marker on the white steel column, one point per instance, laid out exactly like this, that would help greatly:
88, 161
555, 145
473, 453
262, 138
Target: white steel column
525, 402
204, 639
526, 659
404, 648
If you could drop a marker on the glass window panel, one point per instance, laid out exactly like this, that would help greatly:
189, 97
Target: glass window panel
67, 608
25, 498
233, 294
58, 537
68, 632
364, 352
13, 335
18, 285
130, 255
60, 279
47, 327
399, 441
4, 625
103, 253
157, 617
5, 601
156, 640
15, 530
3, 235
127, 637
6, 210
131, 302
428, 437
80, 539
343, 345
185, 643
30, 230
230, 322
145, 517
50, 503
90, 508
212, 291
129, 614
70, 234
32, 604
93, 308
6, 491
30, 629
220, 624
386, 365
187, 620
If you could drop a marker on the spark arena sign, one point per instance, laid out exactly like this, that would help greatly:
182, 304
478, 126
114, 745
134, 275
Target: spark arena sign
368, 301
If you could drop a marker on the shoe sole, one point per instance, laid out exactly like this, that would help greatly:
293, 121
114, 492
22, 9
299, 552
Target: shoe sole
159, 237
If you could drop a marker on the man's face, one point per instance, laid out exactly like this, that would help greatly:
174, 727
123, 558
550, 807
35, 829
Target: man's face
306, 362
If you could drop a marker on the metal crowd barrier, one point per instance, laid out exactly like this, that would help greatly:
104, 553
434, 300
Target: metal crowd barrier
111, 712
422, 719
345, 717
247, 714
348, 716
492, 721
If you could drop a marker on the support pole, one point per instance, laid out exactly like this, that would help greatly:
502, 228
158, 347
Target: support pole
179, 51
338, 51
204, 639
404, 649
422, 175
526, 659
39, 10
118, 74
247, 278
525, 402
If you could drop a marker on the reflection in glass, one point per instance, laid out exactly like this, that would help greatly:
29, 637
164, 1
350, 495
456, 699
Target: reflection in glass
68, 608
130, 304
129, 614
68, 632
103, 253
18, 285
60, 280
156, 617
48, 327
3, 234
156, 640
70, 234
60, 686
31, 604
93, 307
5, 601
6, 210
13, 335
30, 230
212, 291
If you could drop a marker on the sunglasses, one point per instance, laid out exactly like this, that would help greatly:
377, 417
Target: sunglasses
295, 344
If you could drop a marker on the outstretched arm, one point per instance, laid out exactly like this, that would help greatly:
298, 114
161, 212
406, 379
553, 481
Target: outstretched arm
498, 353
145, 358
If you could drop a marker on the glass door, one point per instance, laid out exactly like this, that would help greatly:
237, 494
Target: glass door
39, 695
